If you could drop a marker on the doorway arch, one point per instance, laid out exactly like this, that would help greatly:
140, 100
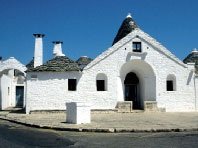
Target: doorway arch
146, 87
132, 89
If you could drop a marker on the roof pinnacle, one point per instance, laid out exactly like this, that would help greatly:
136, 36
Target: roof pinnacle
194, 50
129, 15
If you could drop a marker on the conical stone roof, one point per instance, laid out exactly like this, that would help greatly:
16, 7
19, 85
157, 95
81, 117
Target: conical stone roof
192, 58
30, 65
83, 61
128, 25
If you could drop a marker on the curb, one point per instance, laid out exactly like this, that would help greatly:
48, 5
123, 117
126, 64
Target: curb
102, 130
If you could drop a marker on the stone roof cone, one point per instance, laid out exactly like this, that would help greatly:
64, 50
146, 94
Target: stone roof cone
128, 25
192, 58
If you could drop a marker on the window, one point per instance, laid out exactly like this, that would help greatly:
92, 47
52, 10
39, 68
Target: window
8, 91
101, 82
171, 83
100, 85
72, 84
137, 47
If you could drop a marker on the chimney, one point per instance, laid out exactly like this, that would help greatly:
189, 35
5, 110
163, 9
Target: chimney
38, 52
57, 51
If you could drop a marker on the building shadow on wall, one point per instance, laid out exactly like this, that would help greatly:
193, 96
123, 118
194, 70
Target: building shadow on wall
189, 78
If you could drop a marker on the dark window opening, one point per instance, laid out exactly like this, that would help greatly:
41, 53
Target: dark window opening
137, 47
169, 85
72, 84
100, 85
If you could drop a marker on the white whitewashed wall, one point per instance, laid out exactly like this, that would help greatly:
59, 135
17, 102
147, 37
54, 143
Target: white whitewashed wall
6, 89
49, 91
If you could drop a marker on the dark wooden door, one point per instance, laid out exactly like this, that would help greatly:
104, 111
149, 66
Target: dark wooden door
19, 95
131, 95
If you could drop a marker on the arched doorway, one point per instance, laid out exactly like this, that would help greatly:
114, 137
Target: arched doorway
132, 89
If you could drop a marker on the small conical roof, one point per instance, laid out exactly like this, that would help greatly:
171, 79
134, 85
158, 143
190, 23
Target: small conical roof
83, 61
128, 25
192, 58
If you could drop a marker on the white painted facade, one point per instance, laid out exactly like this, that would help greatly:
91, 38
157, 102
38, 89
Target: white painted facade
12, 75
153, 66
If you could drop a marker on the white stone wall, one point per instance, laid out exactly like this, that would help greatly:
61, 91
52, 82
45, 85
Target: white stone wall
6, 94
7, 68
196, 92
152, 66
49, 91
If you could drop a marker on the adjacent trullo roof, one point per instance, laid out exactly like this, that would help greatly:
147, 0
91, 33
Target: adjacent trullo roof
128, 25
192, 58
30, 65
83, 61
60, 64
57, 64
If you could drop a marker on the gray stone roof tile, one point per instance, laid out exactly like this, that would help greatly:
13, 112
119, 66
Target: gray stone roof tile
30, 65
128, 25
83, 61
57, 64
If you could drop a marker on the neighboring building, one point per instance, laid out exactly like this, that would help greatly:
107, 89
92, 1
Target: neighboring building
12, 83
136, 68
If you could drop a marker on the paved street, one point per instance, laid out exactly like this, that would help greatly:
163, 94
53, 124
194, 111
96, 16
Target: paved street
111, 122
18, 136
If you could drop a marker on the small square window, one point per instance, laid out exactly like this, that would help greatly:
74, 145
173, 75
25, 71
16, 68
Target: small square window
8, 91
137, 47
169, 85
72, 84
100, 85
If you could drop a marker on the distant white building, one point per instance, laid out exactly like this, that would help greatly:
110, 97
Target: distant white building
136, 68
12, 83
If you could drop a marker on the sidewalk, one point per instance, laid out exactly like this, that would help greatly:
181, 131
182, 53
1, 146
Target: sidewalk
111, 122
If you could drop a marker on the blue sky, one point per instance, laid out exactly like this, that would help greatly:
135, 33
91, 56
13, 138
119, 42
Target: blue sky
88, 27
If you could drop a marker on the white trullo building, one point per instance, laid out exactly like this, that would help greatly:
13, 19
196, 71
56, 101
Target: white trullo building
135, 72
12, 83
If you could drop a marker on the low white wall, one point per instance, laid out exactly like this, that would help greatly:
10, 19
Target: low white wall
78, 112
